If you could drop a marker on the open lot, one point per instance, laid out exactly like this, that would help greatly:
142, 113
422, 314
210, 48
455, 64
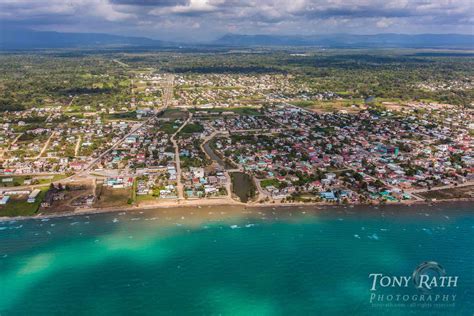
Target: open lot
71, 198
449, 194
108, 197
329, 106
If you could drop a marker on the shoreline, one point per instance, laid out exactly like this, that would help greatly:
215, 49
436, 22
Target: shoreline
224, 203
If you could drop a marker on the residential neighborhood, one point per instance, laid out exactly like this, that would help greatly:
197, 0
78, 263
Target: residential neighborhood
183, 138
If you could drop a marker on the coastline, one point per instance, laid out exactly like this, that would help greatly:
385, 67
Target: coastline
191, 204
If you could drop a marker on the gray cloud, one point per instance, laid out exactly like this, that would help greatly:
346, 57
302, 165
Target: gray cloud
154, 3
206, 19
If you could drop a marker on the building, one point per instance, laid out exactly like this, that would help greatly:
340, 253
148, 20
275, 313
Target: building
33, 195
4, 200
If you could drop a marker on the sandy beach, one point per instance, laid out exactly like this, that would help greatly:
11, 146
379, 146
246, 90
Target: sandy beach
226, 203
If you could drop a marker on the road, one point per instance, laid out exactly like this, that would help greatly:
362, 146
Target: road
348, 167
449, 186
85, 172
45, 146
78, 146
227, 171
179, 185
9, 146
120, 63
168, 91
91, 164
262, 194
70, 102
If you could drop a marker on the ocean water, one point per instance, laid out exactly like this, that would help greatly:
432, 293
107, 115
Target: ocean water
233, 261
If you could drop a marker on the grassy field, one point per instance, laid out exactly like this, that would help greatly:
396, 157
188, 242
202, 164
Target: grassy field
169, 127
19, 180
174, 114
114, 197
330, 106
270, 182
18, 206
238, 110
192, 128
132, 115
145, 198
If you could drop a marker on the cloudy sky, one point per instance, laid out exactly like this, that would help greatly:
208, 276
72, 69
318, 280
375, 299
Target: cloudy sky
201, 20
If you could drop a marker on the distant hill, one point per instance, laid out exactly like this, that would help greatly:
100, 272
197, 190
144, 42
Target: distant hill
353, 41
29, 39
14, 38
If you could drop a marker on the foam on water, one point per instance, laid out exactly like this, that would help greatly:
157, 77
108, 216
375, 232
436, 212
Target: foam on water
226, 265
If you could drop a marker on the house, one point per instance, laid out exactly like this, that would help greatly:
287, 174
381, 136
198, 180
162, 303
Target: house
131, 139
48, 199
197, 172
4, 199
330, 196
33, 195
90, 200
209, 189
76, 165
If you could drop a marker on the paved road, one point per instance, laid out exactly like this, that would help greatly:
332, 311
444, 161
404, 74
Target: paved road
166, 99
449, 186
85, 173
91, 164
262, 194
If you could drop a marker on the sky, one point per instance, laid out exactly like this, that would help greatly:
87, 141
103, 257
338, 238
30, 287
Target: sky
205, 20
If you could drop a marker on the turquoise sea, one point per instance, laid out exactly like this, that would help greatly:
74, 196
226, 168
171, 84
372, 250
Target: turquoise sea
234, 261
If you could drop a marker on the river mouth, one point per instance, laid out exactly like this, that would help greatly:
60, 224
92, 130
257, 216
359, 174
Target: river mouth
242, 183
210, 152
243, 186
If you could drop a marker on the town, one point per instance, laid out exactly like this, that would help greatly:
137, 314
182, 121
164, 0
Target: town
178, 139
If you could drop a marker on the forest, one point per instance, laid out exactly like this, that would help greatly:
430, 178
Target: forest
54, 78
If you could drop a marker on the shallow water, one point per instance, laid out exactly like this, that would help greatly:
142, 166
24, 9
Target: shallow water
233, 261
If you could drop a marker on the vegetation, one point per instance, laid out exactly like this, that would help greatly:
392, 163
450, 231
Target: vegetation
14, 181
18, 205
91, 80
394, 74
192, 128
132, 115
451, 193
169, 127
238, 110
271, 182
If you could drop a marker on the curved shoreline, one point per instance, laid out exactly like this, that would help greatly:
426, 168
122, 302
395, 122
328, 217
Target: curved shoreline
216, 203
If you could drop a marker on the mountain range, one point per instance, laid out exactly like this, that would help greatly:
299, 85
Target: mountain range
353, 41
29, 39
24, 39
